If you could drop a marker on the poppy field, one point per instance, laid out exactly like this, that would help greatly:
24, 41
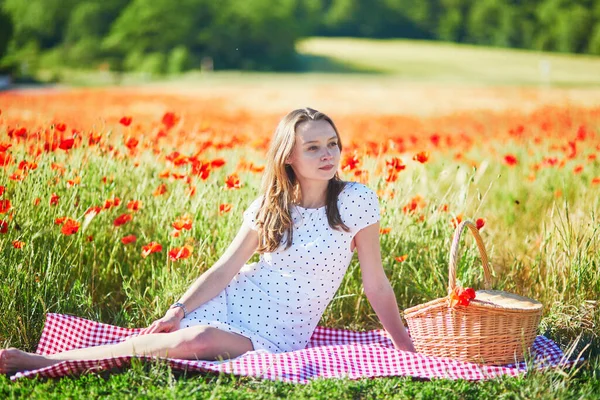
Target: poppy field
112, 201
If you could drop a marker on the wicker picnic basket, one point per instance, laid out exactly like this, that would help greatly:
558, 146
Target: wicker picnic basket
496, 328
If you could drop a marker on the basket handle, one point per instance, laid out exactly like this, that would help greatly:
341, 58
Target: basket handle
487, 276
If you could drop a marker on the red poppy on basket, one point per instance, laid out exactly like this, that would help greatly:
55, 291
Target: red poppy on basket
461, 296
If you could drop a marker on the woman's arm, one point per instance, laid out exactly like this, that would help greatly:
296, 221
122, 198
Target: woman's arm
377, 287
210, 283
217, 277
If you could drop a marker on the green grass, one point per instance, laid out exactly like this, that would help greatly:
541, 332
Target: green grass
441, 62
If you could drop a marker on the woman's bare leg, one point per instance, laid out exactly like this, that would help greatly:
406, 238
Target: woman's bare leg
196, 342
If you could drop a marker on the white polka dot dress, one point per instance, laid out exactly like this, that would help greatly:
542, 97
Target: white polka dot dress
278, 301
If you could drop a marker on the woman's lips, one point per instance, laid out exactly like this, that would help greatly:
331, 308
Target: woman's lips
327, 168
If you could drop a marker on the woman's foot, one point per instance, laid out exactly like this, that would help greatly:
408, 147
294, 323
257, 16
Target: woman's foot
14, 360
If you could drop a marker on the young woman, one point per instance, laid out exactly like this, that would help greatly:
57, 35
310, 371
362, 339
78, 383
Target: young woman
305, 225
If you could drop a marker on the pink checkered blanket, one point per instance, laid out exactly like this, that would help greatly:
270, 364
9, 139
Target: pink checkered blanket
331, 353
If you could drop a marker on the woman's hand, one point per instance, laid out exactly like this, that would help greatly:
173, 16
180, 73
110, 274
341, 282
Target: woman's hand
169, 323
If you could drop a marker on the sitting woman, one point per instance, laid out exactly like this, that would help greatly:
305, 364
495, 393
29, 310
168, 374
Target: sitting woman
305, 225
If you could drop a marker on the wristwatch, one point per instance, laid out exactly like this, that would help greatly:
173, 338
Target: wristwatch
185, 313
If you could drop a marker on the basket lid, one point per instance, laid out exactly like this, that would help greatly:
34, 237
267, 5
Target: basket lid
506, 300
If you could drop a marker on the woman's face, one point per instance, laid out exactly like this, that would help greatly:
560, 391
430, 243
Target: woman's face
316, 153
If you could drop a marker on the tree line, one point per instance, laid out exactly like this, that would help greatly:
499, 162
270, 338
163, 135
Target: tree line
162, 36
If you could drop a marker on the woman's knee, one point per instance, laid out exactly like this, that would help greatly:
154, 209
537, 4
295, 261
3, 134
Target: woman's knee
198, 339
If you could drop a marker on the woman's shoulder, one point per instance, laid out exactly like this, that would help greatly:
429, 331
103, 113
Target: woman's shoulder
356, 189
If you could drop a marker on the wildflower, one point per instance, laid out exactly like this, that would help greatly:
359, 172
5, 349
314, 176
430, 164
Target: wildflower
54, 199
161, 189
217, 163
169, 120
395, 164
462, 297
4, 206
60, 127
596, 181
224, 208
4, 147
421, 157
510, 160
578, 169
18, 244
74, 181
179, 253
183, 222
128, 239
384, 231
350, 162
480, 222
401, 258
150, 248
60, 220
456, 220
132, 143
70, 227
134, 205
66, 144
3, 226
122, 219
93, 210
232, 182
2, 188
125, 121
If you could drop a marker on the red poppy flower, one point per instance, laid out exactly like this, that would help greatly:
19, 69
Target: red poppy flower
125, 121
4, 206
54, 199
161, 189
169, 120
132, 143
402, 258
596, 181
224, 208
510, 160
2, 188
232, 182
66, 144
93, 210
3, 226
201, 168
384, 231
60, 127
218, 162
395, 164
128, 239
60, 220
462, 297
480, 223
578, 169
456, 221
70, 227
5, 159
18, 244
183, 222
179, 253
4, 147
151, 247
134, 205
122, 219
421, 157
350, 162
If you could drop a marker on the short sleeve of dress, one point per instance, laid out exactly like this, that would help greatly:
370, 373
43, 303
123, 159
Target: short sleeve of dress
250, 214
359, 207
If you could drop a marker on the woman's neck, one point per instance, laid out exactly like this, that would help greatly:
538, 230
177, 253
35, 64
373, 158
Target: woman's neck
313, 194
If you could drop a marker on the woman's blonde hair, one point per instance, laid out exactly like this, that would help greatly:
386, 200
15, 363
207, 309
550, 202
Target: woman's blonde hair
281, 188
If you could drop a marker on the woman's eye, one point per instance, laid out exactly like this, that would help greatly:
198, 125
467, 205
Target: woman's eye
333, 144
311, 148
